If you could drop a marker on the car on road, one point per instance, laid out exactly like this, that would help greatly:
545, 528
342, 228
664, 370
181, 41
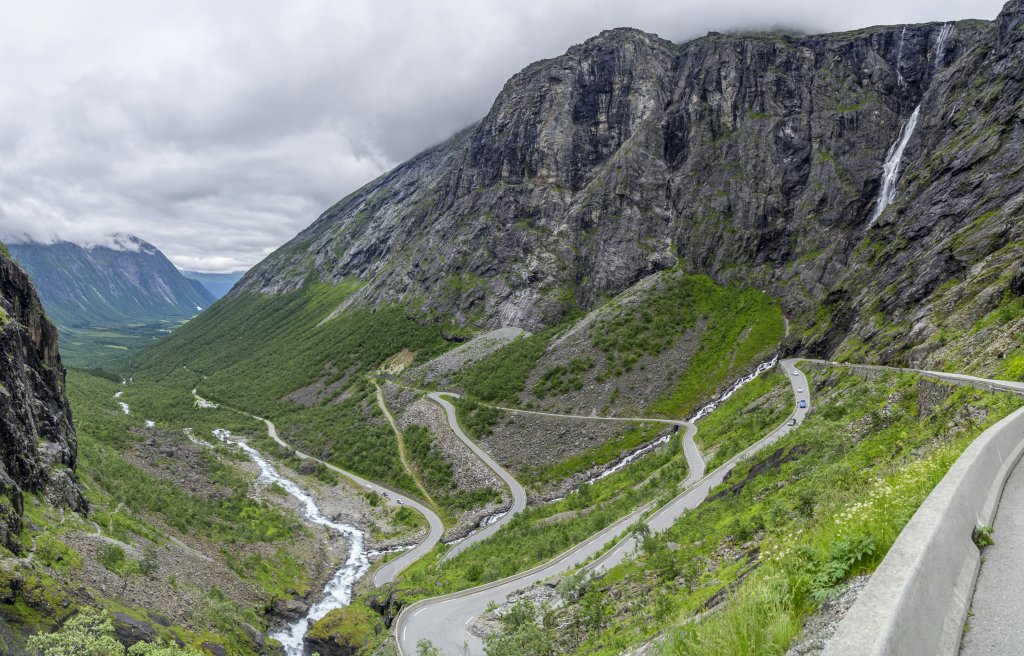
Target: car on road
799, 390
400, 502
803, 404
791, 422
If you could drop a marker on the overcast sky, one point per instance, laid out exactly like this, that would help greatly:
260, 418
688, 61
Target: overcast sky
217, 130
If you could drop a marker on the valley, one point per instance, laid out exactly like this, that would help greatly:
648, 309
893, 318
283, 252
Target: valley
109, 299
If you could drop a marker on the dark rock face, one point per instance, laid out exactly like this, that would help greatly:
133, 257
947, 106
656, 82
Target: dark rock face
38, 447
386, 603
289, 609
753, 158
328, 648
215, 649
130, 630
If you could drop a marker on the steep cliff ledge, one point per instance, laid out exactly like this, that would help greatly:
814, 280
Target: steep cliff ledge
38, 447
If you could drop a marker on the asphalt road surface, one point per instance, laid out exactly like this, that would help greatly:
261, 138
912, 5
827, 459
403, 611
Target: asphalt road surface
445, 621
518, 493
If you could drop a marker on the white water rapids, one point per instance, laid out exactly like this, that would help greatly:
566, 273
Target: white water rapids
891, 167
709, 408
338, 591
639, 453
124, 406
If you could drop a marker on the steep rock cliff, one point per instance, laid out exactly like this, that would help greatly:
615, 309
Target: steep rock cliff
38, 448
755, 158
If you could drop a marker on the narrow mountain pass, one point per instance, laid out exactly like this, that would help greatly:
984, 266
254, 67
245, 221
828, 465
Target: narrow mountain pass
445, 621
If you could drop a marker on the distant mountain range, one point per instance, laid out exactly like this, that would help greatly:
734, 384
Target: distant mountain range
127, 282
218, 284
111, 297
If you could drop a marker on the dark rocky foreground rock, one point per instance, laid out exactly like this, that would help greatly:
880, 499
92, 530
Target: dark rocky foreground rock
38, 448
343, 632
755, 158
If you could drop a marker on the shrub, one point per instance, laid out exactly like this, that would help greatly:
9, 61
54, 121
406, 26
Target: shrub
982, 536
112, 557
91, 633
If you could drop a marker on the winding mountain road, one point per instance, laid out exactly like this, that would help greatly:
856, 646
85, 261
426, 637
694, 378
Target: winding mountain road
391, 569
989, 384
518, 493
445, 621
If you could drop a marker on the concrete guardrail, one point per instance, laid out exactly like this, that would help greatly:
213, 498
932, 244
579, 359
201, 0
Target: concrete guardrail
917, 600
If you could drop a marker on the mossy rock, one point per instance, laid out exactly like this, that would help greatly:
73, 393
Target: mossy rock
10, 583
345, 631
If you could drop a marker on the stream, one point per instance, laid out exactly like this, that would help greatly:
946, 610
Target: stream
700, 414
709, 408
338, 591
124, 406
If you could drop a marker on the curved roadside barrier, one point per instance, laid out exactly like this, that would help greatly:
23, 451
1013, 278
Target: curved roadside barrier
916, 602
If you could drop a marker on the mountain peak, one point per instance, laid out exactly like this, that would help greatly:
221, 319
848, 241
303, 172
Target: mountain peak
1011, 22
121, 242
117, 280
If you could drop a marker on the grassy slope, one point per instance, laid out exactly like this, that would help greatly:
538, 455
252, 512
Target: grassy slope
541, 532
133, 506
764, 401
823, 504
251, 351
744, 327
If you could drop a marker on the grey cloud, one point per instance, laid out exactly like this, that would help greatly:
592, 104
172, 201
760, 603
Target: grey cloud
218, 130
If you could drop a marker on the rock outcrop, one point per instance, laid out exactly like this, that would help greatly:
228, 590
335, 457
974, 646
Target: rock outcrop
38, 447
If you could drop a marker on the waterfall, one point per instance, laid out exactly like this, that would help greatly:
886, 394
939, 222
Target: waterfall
899, 60
891, 168
940, 46
711, 407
